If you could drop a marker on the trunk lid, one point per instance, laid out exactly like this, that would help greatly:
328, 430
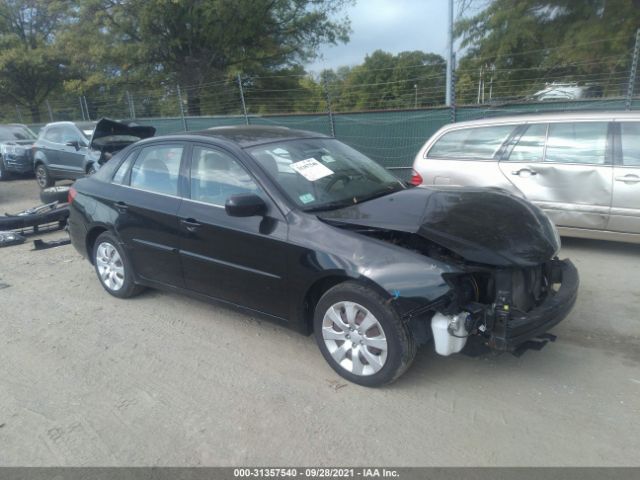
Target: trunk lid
110, 133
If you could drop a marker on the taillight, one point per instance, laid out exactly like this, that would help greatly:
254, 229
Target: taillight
72, 194
416, 179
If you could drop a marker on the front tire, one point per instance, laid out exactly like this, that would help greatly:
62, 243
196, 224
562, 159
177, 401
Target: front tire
361, 336
43, 177
113, 267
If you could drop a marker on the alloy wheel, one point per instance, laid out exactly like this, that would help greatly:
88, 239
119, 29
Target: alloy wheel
355, 338
110, 266
41, 176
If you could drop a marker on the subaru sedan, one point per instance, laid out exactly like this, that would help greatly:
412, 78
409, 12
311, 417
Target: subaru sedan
312, 234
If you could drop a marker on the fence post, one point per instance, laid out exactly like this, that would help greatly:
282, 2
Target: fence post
49, 109
332, 123
244, 105
132, 107
81, 108
19, 113
86, 107
632, 74
184, 120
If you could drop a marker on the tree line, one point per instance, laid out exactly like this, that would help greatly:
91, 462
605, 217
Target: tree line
117, 52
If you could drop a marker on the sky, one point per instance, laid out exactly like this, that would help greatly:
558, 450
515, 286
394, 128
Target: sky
390, 25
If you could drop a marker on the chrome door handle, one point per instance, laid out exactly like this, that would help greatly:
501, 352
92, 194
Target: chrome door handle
628, 179
190, 224
528, 170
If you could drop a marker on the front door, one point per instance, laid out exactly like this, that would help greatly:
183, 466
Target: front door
241, 260
569, 176
148, 204
71, 158
625, 207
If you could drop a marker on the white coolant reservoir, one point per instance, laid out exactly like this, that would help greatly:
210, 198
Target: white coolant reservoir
441, 325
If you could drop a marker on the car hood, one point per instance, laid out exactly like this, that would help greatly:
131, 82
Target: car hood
486, 226
110, 131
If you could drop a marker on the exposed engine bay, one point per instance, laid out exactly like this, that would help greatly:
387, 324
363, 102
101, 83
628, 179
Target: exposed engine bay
484, 301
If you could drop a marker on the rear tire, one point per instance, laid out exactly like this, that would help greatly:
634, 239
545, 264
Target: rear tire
113, 267
43, 177
361, 336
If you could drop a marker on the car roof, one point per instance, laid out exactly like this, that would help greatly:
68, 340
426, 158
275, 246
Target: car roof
251, 135
549, 117
81, 125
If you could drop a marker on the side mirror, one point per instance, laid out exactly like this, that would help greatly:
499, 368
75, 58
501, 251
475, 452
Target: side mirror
73, 143
245, 205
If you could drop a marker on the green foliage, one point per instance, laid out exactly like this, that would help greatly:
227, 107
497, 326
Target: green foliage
529, 42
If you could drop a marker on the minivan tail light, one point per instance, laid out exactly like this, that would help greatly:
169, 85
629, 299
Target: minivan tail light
72, 194
416, 178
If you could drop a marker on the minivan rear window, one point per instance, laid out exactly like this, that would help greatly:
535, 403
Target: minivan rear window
478, 142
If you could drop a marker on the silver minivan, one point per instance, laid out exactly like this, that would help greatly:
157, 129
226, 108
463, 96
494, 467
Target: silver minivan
582, 169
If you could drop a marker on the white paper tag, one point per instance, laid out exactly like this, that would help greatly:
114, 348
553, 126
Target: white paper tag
311, 169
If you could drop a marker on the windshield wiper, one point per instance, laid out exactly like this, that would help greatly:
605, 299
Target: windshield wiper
331, 206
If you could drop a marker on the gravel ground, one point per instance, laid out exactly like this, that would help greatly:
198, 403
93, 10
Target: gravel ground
162, 379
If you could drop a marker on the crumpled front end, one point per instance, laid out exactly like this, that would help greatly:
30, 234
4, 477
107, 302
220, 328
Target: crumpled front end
17, 156
510, 309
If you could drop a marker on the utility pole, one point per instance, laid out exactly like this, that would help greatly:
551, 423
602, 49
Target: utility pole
449, 79
184, 120
415, 102
632, 73
244, 105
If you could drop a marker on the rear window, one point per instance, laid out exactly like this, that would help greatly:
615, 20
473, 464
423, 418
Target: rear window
479, 142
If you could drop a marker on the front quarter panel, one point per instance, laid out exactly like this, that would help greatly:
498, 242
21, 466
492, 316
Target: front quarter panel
407, 279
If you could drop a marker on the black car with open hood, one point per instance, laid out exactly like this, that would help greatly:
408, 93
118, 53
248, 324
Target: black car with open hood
308, 232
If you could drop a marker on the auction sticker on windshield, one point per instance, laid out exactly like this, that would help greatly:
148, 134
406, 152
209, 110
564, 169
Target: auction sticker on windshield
311, 169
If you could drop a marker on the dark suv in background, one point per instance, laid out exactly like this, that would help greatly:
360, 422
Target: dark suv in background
59, 152
68, 150
16, 141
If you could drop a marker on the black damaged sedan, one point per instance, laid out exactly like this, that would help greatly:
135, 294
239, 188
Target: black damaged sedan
313, 234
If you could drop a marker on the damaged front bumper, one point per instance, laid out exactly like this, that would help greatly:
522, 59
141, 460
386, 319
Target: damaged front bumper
512, 328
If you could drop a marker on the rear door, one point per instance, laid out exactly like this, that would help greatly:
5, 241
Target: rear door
49, 145
241, 260
148, 207
564, 168
466, 156
625, 207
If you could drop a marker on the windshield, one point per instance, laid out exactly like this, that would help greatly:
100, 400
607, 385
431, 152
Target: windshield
16, 132
323, 174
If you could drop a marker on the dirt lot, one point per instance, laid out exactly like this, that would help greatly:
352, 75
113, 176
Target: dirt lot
162, 379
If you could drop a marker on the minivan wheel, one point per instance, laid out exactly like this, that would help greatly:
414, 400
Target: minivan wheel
361, 336
43, 177
113, 268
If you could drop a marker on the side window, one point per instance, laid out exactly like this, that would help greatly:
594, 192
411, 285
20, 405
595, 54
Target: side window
579, 142
68, 134
479, 142
630, 136
157, 169
530, 146
215, 176
120, 175
52, 135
